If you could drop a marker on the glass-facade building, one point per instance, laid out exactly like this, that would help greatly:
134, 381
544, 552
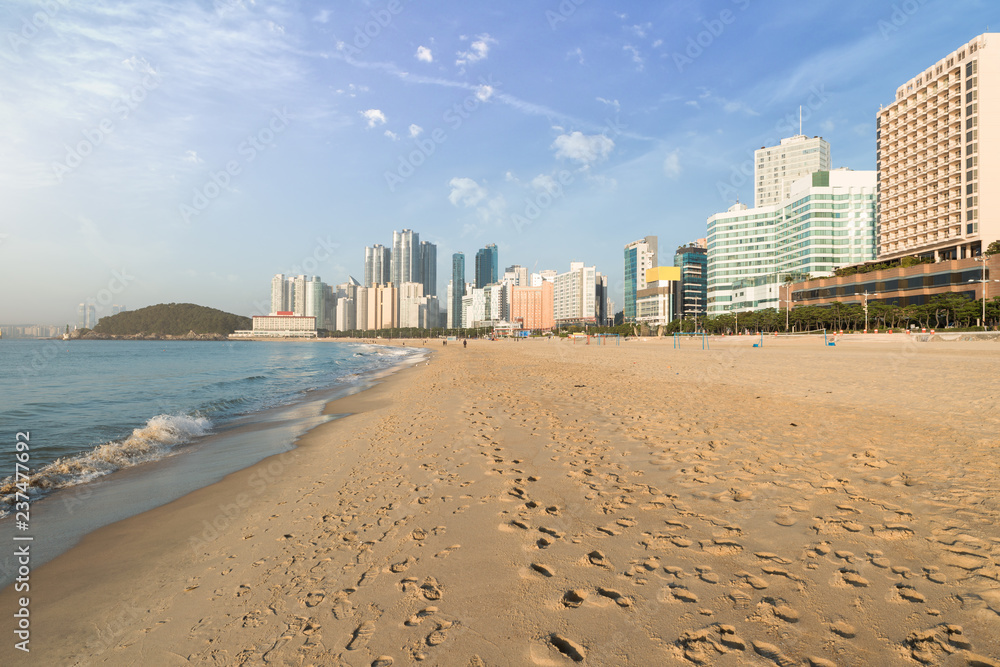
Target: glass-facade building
487, 266
692, 260
828, 223
457, 288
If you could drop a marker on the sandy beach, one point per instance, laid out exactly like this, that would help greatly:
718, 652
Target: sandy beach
552, 503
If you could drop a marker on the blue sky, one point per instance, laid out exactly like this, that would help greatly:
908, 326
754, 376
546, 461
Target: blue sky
187, 151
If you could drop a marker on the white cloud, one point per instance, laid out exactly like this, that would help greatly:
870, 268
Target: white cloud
466, 191
424, 54
323, 16
672, 164
374, 117
658, 43
192, 157
478, 50
582, 148
484, 92
392, 135
578, 52
415, 130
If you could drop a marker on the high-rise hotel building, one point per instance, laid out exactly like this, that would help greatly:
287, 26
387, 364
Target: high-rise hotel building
938, 149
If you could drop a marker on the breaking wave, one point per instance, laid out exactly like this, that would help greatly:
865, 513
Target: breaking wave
150, 442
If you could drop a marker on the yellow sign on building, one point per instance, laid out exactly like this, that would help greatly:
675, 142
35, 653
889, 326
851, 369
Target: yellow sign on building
663, 273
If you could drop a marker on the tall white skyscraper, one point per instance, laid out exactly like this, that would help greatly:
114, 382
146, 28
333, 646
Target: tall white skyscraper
315, 301
777, 167
405, 257
378, 265
298, 304
279, 294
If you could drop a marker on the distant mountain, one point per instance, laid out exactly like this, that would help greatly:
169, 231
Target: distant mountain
172, 319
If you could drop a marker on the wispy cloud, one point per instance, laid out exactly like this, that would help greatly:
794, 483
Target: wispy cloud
583, 149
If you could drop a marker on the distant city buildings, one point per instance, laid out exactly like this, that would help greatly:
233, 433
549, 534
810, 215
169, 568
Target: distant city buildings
640, 256
86, 316
937, 155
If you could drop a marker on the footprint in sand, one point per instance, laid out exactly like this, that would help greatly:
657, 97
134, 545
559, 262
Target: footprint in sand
431, 589
909, 593
574, 598
447, 551
682, 594
753, 581
773, 653
314, 598
361, 636
543, 569
418, 618
439, 635
705, 574
612, 594
402, 566
342, 606
843, 629
853, 578
568, 647
382, 661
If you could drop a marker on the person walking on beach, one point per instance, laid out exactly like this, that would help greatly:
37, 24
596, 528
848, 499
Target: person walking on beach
465, 343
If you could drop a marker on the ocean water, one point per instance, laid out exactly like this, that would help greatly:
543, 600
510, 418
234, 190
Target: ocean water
94, 408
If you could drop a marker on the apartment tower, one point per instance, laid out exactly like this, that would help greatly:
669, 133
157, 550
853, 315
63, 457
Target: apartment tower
777, 167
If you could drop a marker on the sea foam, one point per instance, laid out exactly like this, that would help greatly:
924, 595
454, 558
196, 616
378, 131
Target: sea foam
152, 441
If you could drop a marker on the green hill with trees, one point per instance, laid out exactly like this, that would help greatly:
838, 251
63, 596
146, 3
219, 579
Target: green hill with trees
172, 319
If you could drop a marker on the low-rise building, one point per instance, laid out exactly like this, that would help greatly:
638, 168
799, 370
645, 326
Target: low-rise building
659, 302
285, 324
903, 286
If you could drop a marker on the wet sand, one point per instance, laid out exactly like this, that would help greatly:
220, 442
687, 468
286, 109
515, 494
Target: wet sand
545, 502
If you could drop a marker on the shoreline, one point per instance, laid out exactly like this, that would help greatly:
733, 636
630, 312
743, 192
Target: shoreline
241, 442
550, 503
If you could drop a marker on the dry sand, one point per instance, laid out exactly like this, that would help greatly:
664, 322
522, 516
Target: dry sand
540, 503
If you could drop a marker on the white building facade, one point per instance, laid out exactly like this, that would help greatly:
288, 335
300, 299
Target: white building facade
828, 223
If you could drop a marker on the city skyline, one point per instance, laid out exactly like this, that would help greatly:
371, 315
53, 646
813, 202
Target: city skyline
190, 166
